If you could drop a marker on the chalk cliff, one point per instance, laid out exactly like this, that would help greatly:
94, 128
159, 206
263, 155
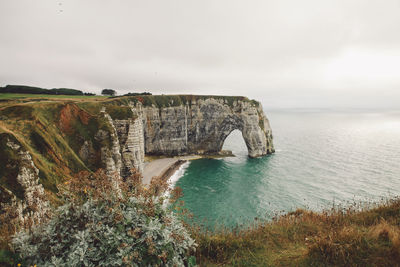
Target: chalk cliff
32, 206
63, 138
131, 143
202, 126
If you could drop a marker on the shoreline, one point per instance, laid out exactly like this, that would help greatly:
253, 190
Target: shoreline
172, 169
165, 167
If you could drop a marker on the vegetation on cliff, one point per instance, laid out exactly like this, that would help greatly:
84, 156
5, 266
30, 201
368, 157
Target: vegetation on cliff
8, 173
98, 225
56, 131
106, 222
101, 217
360, 235
53, 133
161, 101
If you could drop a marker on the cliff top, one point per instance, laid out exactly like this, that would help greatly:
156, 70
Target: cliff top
54, 128
8, 99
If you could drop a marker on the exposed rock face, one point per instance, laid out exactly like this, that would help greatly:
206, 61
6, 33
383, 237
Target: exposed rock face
111, 157
85, 136
131, 138
127, 145
87, 152
198, 127
34, 207
202, 127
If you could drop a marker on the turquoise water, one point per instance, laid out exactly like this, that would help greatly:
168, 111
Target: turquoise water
321, 158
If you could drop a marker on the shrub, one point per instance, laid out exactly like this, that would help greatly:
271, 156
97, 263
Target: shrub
135, 94
110, 92
119, 112
107, 226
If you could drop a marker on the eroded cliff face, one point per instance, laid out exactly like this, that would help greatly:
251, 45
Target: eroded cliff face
131, 142
63, 138
111, 156
125, 149
202, 127
32, 207
196, 127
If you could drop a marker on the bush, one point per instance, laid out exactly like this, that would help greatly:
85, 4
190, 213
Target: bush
136, 94
126, 226
110, 92
65, 91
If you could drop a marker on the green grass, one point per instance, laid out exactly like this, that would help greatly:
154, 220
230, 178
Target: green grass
161, 101
53, 140
9, 160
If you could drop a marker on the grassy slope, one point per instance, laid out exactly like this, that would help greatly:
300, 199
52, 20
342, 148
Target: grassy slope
53, 133
370, 237
53, 129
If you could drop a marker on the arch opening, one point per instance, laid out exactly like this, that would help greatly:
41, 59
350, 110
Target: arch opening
235, 142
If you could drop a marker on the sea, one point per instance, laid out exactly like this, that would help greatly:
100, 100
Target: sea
323, 159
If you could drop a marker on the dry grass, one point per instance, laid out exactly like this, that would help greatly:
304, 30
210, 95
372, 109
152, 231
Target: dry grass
351, 237
361, 235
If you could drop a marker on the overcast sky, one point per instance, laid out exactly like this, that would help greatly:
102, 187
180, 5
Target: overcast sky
284, 53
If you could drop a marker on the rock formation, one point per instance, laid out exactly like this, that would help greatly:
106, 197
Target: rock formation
111, 156
34, 206
202, 127
198, 127
131, 141
66, 137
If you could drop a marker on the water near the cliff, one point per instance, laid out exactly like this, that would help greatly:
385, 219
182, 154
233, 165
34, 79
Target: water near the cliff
321, 158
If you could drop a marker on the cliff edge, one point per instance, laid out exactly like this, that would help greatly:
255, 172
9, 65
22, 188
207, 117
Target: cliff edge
200, 126
63, 137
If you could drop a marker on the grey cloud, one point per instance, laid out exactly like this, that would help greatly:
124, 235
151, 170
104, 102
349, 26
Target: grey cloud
284, 53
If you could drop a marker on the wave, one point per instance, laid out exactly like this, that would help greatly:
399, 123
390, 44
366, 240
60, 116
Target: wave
174, 178
177, 175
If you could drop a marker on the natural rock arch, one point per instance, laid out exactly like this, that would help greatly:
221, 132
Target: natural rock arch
202, 127
229, 125
234, 143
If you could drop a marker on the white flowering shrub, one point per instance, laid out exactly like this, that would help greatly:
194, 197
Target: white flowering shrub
135, 230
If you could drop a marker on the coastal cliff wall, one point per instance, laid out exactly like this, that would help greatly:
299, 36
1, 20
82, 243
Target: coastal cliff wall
202, 127
125, 149
65, 137
131, 142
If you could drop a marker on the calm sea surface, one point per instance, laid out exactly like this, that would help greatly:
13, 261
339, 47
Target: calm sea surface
321, 158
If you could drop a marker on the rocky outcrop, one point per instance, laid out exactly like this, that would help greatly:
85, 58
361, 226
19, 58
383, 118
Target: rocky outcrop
34, 207
202, 127
198, 127
64, 138
68, 137
126, 151
131, 140
110, 156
